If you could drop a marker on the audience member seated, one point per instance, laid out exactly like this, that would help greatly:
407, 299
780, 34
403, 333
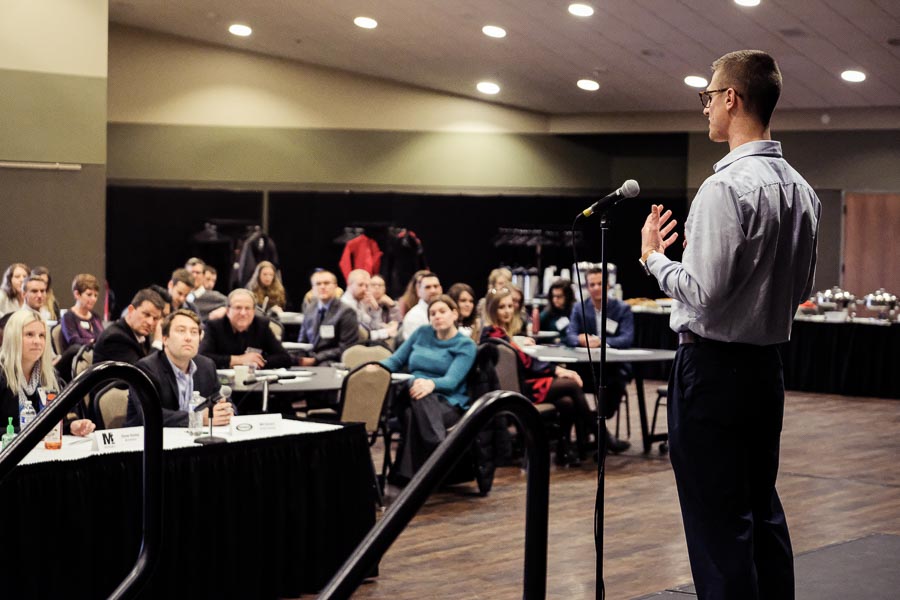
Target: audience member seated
180, 285
328, 324
427, 289
80, 325
469, 322
36, 295
619, 334
368, 312
177, 371
130, 338
524, 318
498, 279
50, 311
209, 303
12, 294
410, 298
390, 310
242, 337
439, 358
556, 316
543, 382
26, 370
268, 291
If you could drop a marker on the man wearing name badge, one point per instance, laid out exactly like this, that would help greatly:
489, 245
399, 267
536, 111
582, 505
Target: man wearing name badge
177, 371
749, 260
368, 311
583, 332
428, 288
328, 324
242, 337
129, 339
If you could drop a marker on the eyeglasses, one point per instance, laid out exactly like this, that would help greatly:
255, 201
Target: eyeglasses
706, 97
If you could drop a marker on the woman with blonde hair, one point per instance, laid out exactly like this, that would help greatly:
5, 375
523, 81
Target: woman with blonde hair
12, 293
26, 369
267, 288
544, 382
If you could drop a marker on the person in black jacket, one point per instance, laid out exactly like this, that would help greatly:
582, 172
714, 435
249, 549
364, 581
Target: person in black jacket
243, 337
177, 371
129, 339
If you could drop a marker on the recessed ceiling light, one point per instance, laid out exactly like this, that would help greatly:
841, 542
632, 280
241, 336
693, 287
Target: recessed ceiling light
493, 31
488, 87
588, 84
581, 10
747, 2
853, 76
365, 22
696, 81
241, 30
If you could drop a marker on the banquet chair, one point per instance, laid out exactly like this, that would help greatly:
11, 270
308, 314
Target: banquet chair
277, 329
109, 407
359, 354
56, 338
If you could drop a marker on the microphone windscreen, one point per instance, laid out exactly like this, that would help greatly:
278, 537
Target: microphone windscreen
630, 189
225, 391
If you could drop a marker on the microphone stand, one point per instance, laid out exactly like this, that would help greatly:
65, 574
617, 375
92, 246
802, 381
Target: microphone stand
207, 440
602, 440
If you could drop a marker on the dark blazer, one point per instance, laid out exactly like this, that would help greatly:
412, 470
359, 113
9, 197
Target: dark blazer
618, 312
158, 368
9, 404
118, 342
221, 342
346, 330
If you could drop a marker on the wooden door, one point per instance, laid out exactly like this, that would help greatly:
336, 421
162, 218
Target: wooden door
871, 243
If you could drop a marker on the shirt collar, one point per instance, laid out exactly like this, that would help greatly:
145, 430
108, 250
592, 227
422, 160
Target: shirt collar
326, 306
179, 373
756, 148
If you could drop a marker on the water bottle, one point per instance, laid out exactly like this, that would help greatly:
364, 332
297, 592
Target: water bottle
53, 439
26, 415
195, 417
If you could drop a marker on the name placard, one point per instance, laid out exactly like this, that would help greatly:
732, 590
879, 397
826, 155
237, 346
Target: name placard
251, 426
118, 440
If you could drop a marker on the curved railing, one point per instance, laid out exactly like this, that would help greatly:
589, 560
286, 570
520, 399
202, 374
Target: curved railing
153, 455
372, 548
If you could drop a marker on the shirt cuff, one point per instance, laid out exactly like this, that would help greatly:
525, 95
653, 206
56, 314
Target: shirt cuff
655, 262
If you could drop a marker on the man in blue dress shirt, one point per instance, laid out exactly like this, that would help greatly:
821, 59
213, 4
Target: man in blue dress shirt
749, 260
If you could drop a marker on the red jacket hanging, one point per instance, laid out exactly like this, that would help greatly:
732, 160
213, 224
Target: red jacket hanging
362, 252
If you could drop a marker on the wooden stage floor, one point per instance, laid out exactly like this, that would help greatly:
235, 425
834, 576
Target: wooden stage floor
839, 480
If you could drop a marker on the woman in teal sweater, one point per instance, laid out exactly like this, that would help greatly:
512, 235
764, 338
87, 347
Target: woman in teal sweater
439, 358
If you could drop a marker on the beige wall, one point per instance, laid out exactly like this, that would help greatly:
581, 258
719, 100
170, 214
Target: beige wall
161, 79
53, 109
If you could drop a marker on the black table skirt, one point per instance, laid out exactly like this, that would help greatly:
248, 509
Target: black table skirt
260, 519
834, 358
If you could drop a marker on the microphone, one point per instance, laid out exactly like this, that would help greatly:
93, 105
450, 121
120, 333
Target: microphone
262, 378
629, 189
224, 393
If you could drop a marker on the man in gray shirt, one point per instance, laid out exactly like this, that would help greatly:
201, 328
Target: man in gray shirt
749, 260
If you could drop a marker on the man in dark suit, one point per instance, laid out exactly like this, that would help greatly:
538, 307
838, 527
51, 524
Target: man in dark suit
329, 325
243, 337
129, 339
181, 284
177, 371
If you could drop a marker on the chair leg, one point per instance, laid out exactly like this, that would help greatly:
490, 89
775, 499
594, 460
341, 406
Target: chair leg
379, 498
627, 415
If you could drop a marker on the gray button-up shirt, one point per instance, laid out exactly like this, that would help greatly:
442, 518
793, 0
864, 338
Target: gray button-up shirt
751, 250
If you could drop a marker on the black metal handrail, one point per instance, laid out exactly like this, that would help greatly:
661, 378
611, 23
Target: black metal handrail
153, 456
372, 548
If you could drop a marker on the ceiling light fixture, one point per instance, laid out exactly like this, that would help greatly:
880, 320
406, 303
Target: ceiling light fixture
588, 85
488, 87
493, 31
581, 10
747, 2
365, 22
853, 76
696, 81
239, 30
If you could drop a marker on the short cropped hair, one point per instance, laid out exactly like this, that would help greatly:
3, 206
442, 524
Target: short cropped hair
755, 75
183, 312
183, 276
148, 295
84, 282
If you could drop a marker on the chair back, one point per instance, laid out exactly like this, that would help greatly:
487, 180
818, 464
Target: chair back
109, 407
363, 334
508, 367
277, 329
358, 354
363, 394
83, 359
56, 338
